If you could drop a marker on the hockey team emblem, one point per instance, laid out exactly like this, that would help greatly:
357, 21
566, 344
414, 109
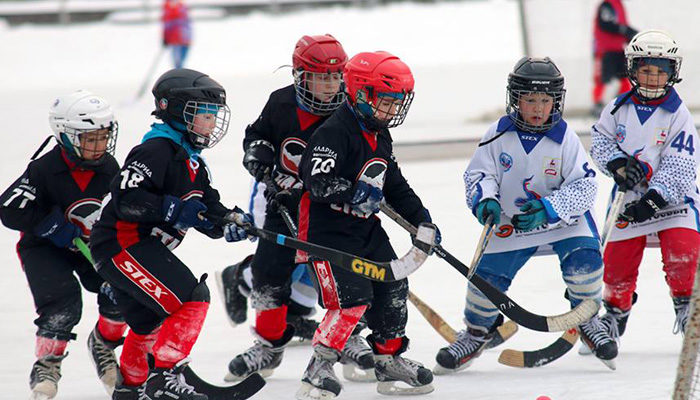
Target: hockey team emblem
529, 193
551, 167
84, 213
374, 172
620, 133
506, 161
290, 156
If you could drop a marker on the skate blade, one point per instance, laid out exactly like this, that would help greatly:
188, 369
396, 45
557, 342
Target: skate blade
299, 343
310, 392
609, 363
222, 296
39, 396
584, 350
440, 370
354, 374
265, 373
391, 389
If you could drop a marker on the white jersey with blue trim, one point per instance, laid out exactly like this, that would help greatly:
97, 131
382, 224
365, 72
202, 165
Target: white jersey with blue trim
518, 167
663, 138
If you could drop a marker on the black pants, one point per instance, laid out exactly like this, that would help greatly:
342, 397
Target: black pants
51, 274
149, 283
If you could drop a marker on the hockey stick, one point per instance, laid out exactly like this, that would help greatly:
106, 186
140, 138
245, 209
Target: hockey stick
483, 242
377, 271
544, 356
505, 304
149, 76
243, 390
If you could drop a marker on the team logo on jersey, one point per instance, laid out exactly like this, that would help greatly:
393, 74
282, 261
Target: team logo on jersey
504, 231
620, 133
84, 213
552, 167
506, 161
290, 156
373, 172
529, 194
661, 135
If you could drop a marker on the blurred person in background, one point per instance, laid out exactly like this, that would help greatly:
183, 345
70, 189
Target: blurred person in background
610, 35
177, 30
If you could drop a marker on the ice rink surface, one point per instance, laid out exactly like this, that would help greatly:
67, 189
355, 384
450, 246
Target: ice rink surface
459, 77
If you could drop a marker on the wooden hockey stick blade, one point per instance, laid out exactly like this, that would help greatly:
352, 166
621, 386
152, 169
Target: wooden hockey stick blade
543, 356
483, 243
503, 333
557, 323
240, 391
611, 218
433, 318
373, 270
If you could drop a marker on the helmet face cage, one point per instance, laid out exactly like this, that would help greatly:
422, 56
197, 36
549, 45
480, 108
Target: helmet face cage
634, 62
385, 110
306, 83
207, 123
84, 143
513, 109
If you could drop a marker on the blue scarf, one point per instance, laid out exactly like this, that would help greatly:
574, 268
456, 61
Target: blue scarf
159, 130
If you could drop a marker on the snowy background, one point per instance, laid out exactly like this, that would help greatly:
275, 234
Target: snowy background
460, 53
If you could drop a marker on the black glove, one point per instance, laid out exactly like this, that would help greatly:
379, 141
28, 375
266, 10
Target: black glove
645, 208
259, 159
627, 172
288, 198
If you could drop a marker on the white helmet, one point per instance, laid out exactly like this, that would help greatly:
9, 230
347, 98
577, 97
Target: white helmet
80, 112
652, 46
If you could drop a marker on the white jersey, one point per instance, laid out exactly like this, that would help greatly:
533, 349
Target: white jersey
663, 138
521, 166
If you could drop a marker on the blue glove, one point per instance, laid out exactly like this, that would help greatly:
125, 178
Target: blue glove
185, 214
534, 215
488, 207
366, 198
57, 229
234, 232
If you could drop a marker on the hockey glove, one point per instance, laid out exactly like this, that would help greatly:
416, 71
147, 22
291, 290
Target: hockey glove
488, 207
645, 208
627, 172
234, 232
259, 159
534, 215
366, 198
428, 218
57, 229
288, 198
185, 214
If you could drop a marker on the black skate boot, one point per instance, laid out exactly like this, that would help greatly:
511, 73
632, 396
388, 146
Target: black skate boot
229, 280
125, 392
43, 380
357, 360
392, 368
103, 358
594, 334
681, 305
263, 357
459, 355
319, 381
170, 384
615, 321
304, 328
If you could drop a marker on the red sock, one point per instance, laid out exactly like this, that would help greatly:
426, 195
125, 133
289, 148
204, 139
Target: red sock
49, 347
391, 346
271, 324
179, 333
133, 362
110, 329
336, 327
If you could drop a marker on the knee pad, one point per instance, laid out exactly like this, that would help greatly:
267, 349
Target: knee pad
57, 323
201, 291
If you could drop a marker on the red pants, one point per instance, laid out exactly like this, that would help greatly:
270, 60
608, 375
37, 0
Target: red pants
679, 250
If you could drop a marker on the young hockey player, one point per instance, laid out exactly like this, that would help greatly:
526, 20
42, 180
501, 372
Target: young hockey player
163, 190
646, 141
348, 168
531, 174
273, 146
56, 200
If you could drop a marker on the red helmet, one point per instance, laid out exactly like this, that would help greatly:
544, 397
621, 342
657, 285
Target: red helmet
319, 53
375, 78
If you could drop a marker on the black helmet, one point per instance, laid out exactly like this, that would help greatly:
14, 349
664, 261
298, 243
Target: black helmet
181, 94
535, 75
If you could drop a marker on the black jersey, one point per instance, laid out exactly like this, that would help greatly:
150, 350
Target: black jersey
341, 149
133, 211
54, 180
288, 128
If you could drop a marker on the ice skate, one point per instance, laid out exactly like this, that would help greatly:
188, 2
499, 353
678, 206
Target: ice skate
103, 358
43, 380
319, 381
263, 357
170, 384
235, 302
459, 355
595, 336
357, 360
